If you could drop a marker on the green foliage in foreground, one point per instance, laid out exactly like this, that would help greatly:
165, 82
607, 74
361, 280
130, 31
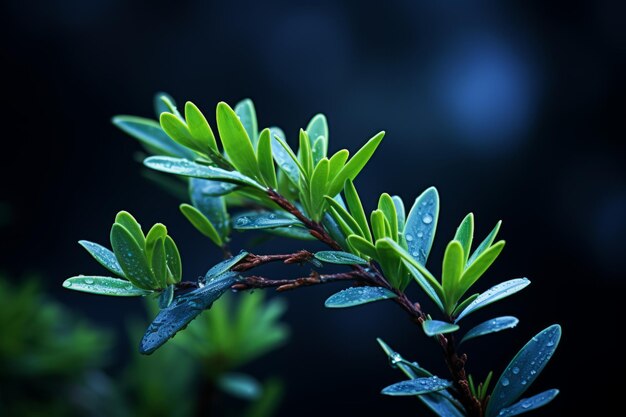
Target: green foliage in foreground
303, 194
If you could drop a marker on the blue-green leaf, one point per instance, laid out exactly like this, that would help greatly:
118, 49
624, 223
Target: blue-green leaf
528, 404
355, 296
435, 327
166, 297
284, 156
104, 286
247, 115
191, 169
339, 257
163, 102
132, 258
149, 133
421, 224
240, 385
105, 257
211, 188
224, 266
291, 232
397, 201
182, 311
213, 207
491, 326
495, 293
254, 220
524, 369
417, 386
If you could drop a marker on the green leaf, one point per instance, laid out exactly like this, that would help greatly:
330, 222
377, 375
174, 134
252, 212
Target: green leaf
377, 219
421, 224
126, 220
149, 133
406, 256
356, 164
356, 209
453, 263
387, 206
491, 326
191, 169
355, 296
166, 297
182, 311
253, 220
485, 243
339, 257
305, 156
417, 386
318, 127
105, 257
337, 162
172, 257
176, 129
434, 292
494, 294
240, 385
104, 286
524, 369
363, 246
236, 142
340, 213
465, 234
199, 128
529, 404
201, 223
224, 266
435, 327
479, 266
266, 159
247, 115
159, 262
155, 233
319, 184
132, 258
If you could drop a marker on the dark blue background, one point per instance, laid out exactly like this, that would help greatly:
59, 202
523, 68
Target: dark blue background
514, 111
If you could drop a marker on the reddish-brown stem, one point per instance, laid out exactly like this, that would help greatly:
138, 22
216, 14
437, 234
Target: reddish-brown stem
251, 282
252, 261
316, 229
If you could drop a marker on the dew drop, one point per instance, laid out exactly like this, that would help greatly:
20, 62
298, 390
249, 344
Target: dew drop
242, 221
527, 404
420, 235
524, 382
505, 382
89, 281
516, 370
415, 253
427, 219
550, 344
409, 238
67, 284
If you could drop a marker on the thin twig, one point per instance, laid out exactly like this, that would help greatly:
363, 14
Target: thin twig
252, 261
252, 282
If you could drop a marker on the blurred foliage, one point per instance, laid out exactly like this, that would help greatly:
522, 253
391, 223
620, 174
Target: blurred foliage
45, 351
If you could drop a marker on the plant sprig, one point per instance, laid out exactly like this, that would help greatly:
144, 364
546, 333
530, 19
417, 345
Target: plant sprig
308, 194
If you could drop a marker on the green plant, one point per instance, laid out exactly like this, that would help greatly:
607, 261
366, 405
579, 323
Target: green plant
45, 352
310, 195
